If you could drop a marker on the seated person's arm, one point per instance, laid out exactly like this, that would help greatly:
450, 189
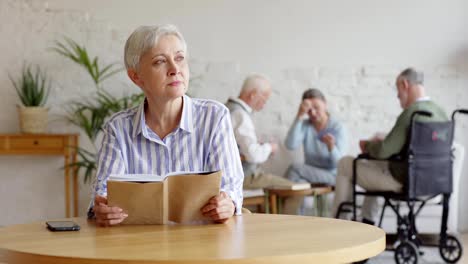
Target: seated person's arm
341, 146
378, 137
393, 143
110, 161
244, 132
295, 136
224, 156
296, 133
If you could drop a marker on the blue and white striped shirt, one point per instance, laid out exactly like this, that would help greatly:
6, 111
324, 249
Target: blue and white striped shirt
203, 141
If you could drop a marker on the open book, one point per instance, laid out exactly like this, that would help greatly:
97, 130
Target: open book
294, 186
247, 193
153, 199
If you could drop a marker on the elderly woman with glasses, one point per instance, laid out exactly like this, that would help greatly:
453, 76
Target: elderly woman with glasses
169, 131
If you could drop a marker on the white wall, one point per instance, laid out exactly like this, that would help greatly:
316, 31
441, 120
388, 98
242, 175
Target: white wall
352, 50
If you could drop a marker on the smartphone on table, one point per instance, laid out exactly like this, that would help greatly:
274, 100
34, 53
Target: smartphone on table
62, 226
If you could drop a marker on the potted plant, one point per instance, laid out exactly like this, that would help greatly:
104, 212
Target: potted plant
91, 113
33, 89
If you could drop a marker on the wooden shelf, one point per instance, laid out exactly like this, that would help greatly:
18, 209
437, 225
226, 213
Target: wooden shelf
49, 145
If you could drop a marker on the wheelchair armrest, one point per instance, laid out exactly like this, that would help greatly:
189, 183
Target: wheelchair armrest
363, 156
366, 156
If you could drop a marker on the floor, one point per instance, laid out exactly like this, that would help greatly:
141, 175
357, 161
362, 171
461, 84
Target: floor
431, 255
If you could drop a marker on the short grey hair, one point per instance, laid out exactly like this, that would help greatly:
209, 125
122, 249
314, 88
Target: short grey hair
413, 76
313, 93
143, 39
254, 82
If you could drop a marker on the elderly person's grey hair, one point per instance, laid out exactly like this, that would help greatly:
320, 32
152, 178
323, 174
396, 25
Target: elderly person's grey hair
255, 82
143, 39
313, 93
413, 76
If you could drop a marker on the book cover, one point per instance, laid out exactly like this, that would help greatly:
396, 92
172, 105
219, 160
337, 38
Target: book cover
153, 199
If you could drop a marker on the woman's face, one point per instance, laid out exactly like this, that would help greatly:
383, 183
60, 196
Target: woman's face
164, 71
317, 111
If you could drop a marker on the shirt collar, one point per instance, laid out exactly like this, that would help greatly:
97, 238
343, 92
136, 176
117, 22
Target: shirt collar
242, 103
186, 120
422, 99
139, 119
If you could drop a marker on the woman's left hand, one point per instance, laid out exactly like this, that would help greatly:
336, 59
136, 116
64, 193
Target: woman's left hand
329, 140
219, 208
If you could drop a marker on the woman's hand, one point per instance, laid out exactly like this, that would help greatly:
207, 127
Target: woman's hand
304, 108
219, 208
329, 140
106, 215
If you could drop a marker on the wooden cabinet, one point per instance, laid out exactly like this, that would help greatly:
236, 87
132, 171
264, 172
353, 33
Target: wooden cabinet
47, 144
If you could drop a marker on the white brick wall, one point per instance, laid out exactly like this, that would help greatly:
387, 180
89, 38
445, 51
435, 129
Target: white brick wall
352, 58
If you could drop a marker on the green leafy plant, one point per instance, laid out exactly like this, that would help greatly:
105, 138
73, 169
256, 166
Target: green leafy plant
91, 114
32, 86
72, 50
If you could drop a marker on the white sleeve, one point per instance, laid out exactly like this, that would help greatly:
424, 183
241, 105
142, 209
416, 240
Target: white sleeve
244, 132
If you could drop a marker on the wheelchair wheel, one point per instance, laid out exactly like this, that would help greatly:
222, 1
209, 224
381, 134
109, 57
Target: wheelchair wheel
452, 250
406, 253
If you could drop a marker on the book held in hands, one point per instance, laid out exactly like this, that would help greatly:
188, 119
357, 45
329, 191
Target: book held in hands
154, 199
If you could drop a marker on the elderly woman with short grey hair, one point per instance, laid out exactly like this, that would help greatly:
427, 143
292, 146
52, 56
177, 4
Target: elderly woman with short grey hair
324, 142
169, 131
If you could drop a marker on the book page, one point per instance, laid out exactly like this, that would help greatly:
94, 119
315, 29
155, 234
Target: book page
294, 186
247, 193
136, 177
152, 177
143, 202
177, 173
187, 194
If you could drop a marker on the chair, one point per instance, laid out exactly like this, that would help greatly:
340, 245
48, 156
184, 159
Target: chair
258, 198
246, 211
428, 158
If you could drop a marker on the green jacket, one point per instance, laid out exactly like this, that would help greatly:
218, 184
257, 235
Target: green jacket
396, 139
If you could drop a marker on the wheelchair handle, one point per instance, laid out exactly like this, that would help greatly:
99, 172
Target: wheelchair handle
462, 111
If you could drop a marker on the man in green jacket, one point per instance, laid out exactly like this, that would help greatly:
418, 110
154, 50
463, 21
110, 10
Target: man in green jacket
384, 175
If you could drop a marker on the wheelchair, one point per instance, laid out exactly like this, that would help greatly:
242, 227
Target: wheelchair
427, 155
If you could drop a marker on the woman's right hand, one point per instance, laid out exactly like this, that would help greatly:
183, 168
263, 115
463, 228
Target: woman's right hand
304, 108
107, 215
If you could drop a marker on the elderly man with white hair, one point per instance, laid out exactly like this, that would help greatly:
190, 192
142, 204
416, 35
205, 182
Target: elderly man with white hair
378, 175
169, 131
255, 92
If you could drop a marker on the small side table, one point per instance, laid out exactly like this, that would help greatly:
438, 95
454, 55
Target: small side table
260, 201
276, 197
47, 144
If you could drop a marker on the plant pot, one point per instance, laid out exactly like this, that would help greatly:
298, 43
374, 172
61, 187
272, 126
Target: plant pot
33, 119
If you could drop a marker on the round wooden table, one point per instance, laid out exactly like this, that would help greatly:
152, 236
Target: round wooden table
254, 238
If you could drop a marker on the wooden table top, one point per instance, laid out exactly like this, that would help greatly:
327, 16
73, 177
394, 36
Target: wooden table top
254, 238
